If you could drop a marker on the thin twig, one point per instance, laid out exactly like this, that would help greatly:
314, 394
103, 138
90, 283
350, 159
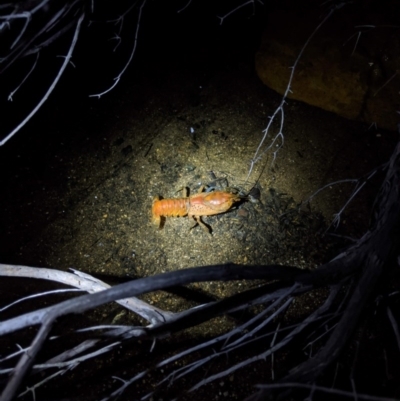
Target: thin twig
280, 108
52, 86
118, 77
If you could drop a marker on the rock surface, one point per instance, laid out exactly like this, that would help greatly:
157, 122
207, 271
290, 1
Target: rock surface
350, 70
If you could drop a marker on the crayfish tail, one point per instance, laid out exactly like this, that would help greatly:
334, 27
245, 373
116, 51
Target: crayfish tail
156, 218
157, 221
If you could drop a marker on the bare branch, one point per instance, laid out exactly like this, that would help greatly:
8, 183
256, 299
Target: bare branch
328, 390
395, 326
52, 86
118, 77
184, 7
10, 96
236, 9
280, 109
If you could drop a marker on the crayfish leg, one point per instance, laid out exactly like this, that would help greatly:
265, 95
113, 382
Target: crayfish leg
162, 222
185, 191
204, 226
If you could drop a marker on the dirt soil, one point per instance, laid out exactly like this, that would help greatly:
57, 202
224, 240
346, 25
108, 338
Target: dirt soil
87, 203
79, 181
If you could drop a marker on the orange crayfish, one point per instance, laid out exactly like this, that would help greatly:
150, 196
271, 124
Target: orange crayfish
200, 204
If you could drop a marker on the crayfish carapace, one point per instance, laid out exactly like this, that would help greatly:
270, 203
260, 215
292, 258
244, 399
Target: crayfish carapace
200, 204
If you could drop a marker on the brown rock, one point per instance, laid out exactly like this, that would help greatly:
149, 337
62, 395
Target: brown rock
334, 73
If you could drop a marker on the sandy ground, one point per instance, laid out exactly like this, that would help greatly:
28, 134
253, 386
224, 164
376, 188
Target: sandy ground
88, 206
